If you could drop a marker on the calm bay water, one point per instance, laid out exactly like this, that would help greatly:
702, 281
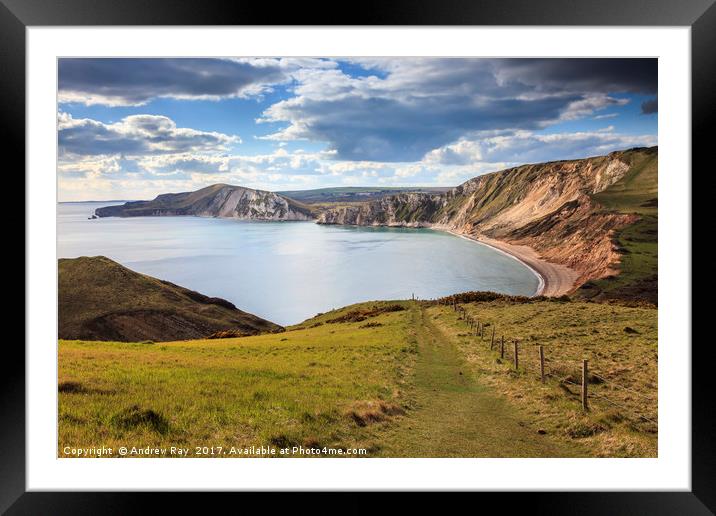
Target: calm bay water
289, 271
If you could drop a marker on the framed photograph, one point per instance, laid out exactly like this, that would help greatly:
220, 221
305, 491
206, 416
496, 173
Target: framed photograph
445, 249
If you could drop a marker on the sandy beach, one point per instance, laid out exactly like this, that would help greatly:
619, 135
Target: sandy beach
556, 279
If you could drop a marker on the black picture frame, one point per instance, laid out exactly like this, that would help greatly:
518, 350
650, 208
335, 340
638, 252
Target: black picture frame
17, 15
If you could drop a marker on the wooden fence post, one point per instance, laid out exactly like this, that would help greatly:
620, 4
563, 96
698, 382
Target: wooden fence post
541, 363
492, 340
585, 382
517, 361
482, 331
502, 347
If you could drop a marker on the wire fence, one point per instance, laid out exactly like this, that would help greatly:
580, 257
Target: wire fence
534, 359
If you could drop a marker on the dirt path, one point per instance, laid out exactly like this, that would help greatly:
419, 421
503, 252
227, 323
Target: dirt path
455, 416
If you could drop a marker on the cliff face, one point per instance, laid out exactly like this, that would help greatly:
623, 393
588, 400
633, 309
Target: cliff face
223, 201
405, 209
548, 207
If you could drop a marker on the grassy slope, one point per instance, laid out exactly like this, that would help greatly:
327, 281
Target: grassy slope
569, 332
636, 193
456, 414
297, 387
101, 299
408, 384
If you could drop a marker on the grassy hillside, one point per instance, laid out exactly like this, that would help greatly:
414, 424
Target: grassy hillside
313, 386
392, 378
100, 299
636, 193
620, 344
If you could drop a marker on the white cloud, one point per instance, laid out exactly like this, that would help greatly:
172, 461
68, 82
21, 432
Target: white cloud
135, 135
417, 121
410, 106
530, 147
177, 159
587, 106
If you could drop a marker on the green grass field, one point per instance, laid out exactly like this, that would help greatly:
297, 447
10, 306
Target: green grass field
394, 382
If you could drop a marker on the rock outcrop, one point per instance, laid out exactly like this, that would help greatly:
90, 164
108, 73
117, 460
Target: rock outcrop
224, 201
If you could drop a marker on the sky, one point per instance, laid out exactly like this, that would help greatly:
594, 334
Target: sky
135, 128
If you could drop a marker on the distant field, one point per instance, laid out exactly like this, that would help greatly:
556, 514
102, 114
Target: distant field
350, 194
392, 378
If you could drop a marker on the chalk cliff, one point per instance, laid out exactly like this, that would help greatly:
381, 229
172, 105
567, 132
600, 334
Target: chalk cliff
224, 201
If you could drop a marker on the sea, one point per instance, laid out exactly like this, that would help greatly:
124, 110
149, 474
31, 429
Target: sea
287, 272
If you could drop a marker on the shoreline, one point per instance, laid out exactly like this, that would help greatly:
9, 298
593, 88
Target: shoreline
540, 277
555, 280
